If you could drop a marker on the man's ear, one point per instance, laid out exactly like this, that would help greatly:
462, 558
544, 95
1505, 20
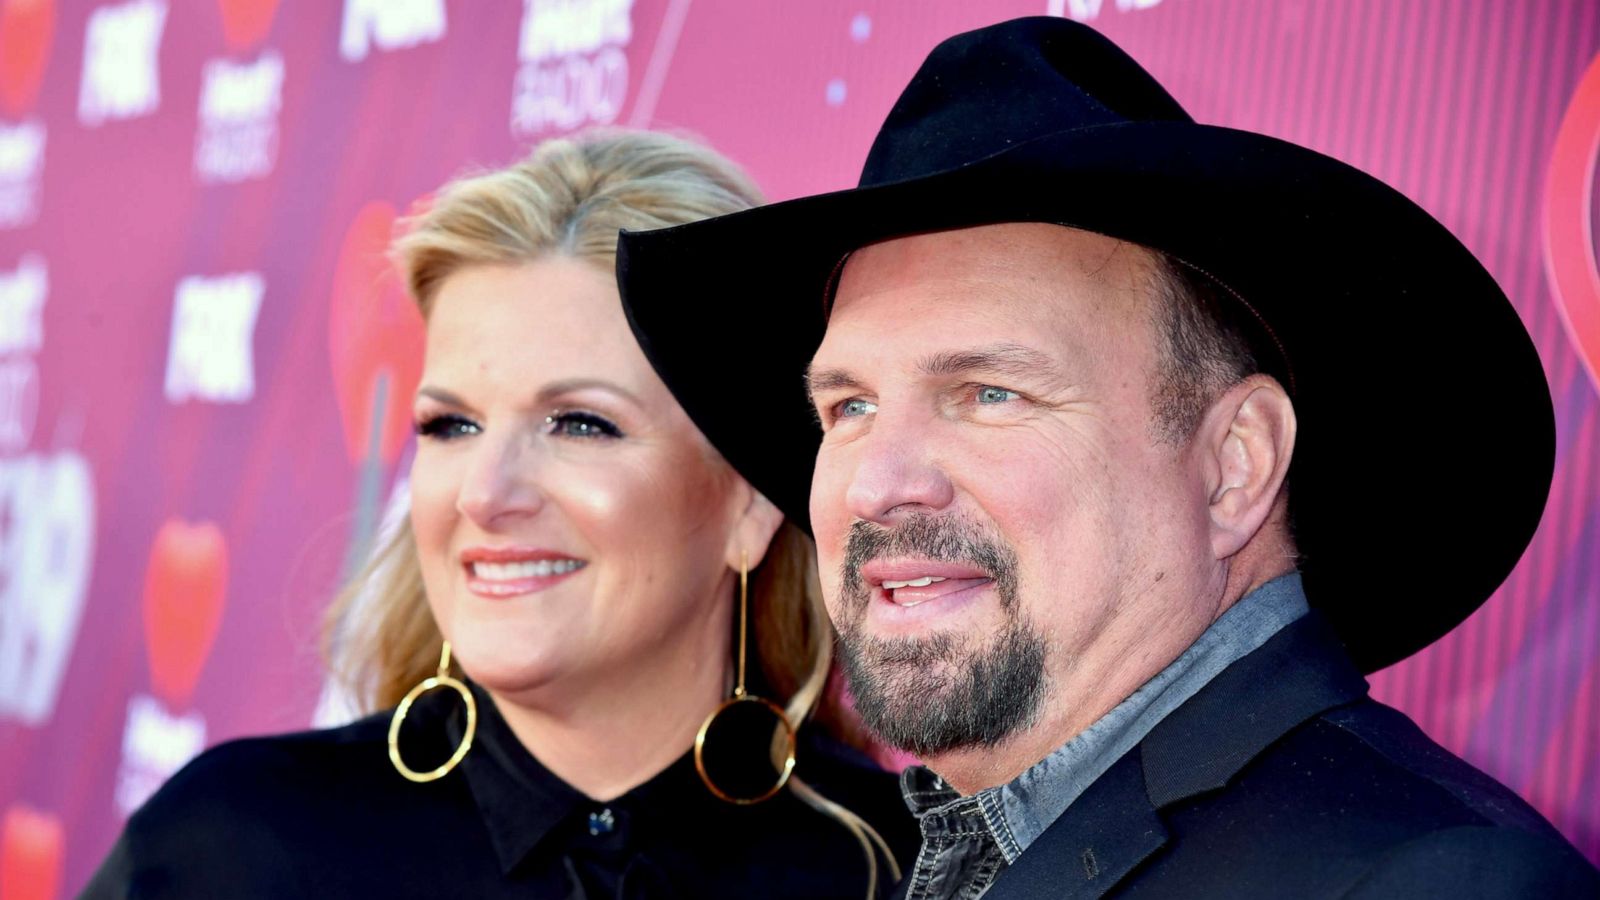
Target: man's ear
752, 531
1246, 441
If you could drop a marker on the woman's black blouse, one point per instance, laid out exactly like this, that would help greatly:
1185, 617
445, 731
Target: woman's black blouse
324, 814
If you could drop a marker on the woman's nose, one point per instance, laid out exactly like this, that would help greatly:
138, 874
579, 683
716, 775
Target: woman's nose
500, 483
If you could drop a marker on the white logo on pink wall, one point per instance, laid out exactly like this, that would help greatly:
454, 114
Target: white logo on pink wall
239, 104
46, 545
573, 69
1089, 10
213, 330
121, 62
21, 170
22, 295
46, 516
155, 744
389, 25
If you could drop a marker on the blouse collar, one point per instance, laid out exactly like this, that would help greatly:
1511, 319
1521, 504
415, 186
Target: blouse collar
523, 803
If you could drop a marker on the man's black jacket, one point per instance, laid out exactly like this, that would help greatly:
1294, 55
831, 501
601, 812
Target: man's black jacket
1282, 778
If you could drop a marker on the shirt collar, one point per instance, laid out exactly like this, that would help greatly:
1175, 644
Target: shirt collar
520, 800
523, 804
1019, 811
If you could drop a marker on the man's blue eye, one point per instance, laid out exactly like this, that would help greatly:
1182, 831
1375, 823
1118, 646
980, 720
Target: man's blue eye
446, 427
580, 425
995, 395
854, 407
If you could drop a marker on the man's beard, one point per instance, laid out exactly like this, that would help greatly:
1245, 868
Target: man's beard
947, 691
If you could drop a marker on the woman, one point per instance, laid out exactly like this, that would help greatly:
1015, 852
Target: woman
577, 550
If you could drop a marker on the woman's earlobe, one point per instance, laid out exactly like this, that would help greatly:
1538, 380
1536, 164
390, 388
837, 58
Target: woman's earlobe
753, 532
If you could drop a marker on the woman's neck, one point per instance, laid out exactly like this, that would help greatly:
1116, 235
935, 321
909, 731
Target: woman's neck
621, 730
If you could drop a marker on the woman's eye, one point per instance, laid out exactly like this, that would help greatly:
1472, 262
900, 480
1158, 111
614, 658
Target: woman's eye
446, 427
580, 425
989, 394
855, 407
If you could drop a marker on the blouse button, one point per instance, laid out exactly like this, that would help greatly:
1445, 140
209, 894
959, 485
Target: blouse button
602, 822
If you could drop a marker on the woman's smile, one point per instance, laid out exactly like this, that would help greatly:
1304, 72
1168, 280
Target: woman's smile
502, 572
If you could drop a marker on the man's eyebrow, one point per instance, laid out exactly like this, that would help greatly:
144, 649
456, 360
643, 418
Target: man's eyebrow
1012, 360
818, 380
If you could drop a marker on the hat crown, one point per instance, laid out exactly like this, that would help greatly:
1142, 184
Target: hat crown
983, 91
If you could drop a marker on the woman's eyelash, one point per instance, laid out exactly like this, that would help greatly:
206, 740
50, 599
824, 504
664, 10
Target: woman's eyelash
446, 427
580, 425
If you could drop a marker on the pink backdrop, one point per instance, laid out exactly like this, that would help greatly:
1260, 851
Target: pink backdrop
203, 369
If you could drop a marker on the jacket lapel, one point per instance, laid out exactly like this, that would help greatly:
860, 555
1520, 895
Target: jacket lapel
1116, 824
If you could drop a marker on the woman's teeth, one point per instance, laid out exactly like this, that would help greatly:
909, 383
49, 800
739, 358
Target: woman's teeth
924, 581
513, 571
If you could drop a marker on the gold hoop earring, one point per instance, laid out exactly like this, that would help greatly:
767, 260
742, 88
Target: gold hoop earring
740, 695
442, 679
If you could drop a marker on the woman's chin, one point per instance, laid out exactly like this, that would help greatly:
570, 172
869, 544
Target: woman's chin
508, 674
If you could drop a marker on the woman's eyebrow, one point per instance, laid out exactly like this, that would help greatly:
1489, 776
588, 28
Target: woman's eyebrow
545, 394
573, 385
441, 395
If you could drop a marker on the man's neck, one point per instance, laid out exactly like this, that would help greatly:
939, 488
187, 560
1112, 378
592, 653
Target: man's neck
1080, 698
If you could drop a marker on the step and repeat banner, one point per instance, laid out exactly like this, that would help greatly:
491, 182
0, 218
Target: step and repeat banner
205, 365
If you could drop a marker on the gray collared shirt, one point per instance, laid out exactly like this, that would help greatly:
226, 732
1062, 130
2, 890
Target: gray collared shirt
968, 841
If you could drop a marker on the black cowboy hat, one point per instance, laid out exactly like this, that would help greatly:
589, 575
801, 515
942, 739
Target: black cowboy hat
1427, 438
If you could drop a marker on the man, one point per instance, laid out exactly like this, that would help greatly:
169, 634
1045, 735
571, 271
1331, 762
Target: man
1138, 446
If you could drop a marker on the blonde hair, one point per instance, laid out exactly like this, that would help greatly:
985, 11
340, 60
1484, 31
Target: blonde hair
570, 197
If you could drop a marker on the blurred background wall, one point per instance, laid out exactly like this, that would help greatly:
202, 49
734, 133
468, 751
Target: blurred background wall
205, 367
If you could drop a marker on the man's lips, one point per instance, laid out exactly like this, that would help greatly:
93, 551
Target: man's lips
914, 595
911, 582
499, 572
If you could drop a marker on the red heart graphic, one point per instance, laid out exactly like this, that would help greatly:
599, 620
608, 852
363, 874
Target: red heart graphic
31, 847
375, 337
26, 27
184, 592
1569, 239
246, 22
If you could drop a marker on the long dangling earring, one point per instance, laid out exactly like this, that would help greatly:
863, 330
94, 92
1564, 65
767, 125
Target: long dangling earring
442, 679
741, 696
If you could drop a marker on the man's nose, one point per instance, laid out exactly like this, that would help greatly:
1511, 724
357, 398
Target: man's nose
501, 482
896, 473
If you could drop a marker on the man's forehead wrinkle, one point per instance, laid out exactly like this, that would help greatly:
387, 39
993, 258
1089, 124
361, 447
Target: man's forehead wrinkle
1004, 358
1093, 269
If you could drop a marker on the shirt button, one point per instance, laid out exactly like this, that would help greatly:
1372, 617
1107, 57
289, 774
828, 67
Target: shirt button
602, 822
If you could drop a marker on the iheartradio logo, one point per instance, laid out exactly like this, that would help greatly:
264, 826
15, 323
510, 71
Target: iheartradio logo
27, 28
32, 847
375, 344
389, 25
1089, 10
47, 523
185, 593
1571, 257
22, 295
121, 62
375, 340
238, 133
21, 170
185, 589
573, 69
245, 23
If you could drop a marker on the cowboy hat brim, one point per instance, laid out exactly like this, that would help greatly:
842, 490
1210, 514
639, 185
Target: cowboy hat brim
1426, 434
